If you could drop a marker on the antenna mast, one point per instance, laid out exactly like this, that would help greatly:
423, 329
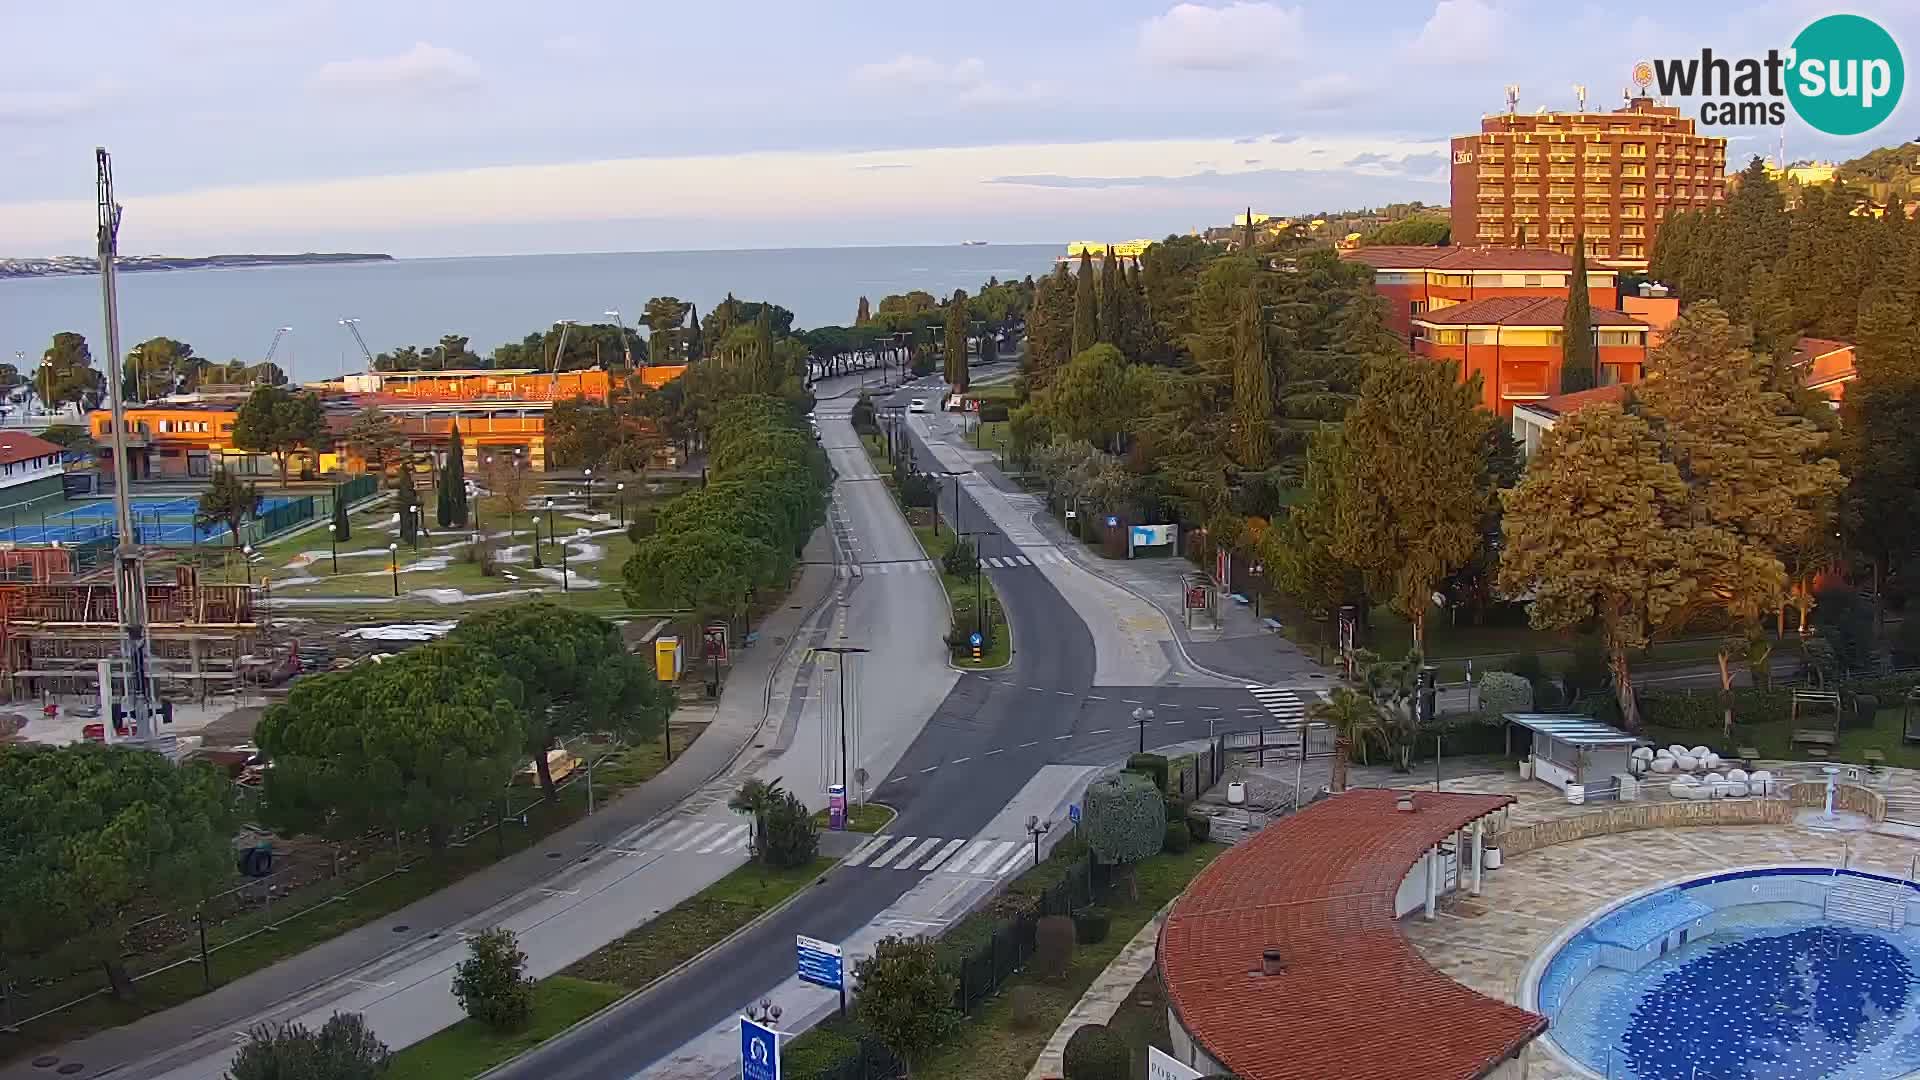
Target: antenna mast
130, 579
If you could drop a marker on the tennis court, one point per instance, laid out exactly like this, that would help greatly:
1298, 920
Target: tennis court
155, 521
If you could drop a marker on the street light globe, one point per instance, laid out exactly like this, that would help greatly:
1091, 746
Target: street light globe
549, 504
589, 472
394, 546
619, 487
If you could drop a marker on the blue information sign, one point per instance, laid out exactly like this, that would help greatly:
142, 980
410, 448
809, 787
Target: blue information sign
820, 962
973, 639
759, 1051
1112, 520
1073, 813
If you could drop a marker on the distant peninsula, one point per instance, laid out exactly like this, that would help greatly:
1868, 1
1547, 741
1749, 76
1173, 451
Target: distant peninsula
64, 265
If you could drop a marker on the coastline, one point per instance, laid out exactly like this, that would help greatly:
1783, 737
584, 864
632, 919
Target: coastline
77, 266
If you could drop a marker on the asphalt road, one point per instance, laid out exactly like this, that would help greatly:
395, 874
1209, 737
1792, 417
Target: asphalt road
984, 741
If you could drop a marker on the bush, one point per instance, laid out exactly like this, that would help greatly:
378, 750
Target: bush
1200, 827
491, 984
1588, 672
1153, 765
1178, 838
1091, 925
792, 837
343, 1049
1701, 709
959, 560
1096, 1053
864, 420
1053, 947
993, 412
1527, 665
1503, 692
916, 489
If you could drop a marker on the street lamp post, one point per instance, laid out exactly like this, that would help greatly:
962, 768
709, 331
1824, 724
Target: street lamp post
474, 502
246, 560
589, 473
1142, 717
1037, 829
843, 651
620, 496
979, 585
393, 563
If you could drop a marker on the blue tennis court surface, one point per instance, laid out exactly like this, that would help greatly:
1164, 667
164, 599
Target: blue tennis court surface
155, 521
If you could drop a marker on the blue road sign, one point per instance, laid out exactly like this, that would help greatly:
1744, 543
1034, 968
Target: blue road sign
973, 639
1073, 813
820, 962
1112, 520
759, 1051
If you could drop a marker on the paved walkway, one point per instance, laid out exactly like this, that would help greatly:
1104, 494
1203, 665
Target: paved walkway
1104, 998
738, 718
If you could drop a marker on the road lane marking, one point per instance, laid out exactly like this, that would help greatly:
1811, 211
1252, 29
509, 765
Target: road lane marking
966, 858
990, 753
1058, 738
906, 861
942, 855
1099, 731
1013, 860
880, 861
861, 853
959, 760
928, 769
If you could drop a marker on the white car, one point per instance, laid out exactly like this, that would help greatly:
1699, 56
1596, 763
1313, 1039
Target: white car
917, 405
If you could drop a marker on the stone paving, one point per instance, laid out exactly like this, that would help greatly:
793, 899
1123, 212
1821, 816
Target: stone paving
1487, 942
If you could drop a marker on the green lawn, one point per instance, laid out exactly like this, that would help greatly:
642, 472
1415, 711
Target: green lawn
1141, 1021
963, 594
865, 818
877, 453
468, 1049
1774, 740
997, 1041
695, 924
304, 917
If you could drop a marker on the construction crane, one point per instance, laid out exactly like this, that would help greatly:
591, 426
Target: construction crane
130, 579
274, 348
353, 327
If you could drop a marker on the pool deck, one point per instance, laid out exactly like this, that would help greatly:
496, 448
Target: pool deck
1488, 942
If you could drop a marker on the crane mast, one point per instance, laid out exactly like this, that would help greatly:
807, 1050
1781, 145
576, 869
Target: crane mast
130, 582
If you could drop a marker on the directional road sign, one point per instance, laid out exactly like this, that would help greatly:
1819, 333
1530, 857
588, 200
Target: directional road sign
820, 962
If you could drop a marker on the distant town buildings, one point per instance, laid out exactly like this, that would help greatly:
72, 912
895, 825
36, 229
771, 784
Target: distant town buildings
1528, 178
1514, 344
1419, 280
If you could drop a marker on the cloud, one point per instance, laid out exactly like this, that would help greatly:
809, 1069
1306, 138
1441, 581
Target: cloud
882, 165
1458, 28
51, 106
1243, 34
1428, 164
1359, 160
1330, 92
425, 68
1285, 138
916, 72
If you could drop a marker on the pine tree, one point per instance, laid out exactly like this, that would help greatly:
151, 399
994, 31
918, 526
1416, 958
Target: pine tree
1110, 283
1577, 367
1252, 388
956, 343
1049, 328
1086, 310
864, 315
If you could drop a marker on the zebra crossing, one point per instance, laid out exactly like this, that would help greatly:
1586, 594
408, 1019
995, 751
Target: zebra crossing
934, 854
1029, 557
697, 837
1281, 703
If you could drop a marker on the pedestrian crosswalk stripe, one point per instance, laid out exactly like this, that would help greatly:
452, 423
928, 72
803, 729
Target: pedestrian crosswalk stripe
942, 855
960, 862
728, 838
918, 853
703, 837
1012, 860
879, 862
996, 564
1020, 560
861, 853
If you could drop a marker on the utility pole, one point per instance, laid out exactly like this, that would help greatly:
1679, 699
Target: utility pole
130, 581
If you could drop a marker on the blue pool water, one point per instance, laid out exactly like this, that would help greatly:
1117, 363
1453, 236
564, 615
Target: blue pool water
1758, 986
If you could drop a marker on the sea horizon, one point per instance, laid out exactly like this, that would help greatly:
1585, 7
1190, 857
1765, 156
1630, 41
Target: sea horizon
233, 312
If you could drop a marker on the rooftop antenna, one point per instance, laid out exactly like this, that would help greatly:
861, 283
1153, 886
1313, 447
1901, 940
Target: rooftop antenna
130, 579
1513, 97
1580, 91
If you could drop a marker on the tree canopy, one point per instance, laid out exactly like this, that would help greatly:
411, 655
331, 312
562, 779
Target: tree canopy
275, 421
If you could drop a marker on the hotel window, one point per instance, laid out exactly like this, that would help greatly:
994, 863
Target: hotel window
1633, 191
1418, 307
1535, 281
1529, 337
1440, 302
1483, 336
1633, 170
1455, 281
1632, 251
1618, 337
1633, 150
1447, 337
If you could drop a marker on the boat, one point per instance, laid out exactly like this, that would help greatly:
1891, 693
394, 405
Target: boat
973, 243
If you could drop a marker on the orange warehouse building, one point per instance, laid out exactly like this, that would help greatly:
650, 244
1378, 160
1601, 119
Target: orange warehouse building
1514, 343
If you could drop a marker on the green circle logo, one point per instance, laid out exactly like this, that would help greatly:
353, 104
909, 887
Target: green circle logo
1847, 75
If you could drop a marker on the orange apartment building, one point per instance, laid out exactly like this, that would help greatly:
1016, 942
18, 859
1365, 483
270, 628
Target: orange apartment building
1527, 177
498, 412
1418, 280
1514, 343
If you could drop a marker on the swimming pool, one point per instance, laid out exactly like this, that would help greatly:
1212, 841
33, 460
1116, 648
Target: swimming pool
1773, 973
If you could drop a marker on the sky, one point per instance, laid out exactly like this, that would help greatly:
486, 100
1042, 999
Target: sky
430, 128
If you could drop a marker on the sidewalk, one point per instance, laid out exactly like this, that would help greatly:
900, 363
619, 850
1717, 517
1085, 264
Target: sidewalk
1240, 648
738, 718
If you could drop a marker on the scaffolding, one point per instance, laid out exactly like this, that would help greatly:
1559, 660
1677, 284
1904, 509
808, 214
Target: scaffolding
203, 639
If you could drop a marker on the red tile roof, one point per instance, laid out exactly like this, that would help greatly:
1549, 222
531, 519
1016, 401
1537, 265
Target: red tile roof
18, 446
1518, 311
1410, 257
1563, 404
1355, 1001
1812, 348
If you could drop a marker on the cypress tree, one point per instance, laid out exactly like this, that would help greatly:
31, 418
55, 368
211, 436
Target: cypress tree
1110, 287
1246, 237
456, 476
1252, 388
695, 347
764, 378
956, 345
864, 315
342, 532
1577, 368
1086, 310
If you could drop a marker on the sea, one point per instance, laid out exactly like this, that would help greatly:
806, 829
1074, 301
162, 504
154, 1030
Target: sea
233, 313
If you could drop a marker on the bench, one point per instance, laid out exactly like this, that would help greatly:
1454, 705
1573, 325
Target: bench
1271, 624
1874, 759
750, 640
1748, 755
1819, 744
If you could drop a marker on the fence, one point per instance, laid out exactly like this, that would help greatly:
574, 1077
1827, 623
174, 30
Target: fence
358, 488
284, 516
297, 886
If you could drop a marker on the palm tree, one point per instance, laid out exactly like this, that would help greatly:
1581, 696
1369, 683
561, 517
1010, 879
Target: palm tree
1355, 720
755, 798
